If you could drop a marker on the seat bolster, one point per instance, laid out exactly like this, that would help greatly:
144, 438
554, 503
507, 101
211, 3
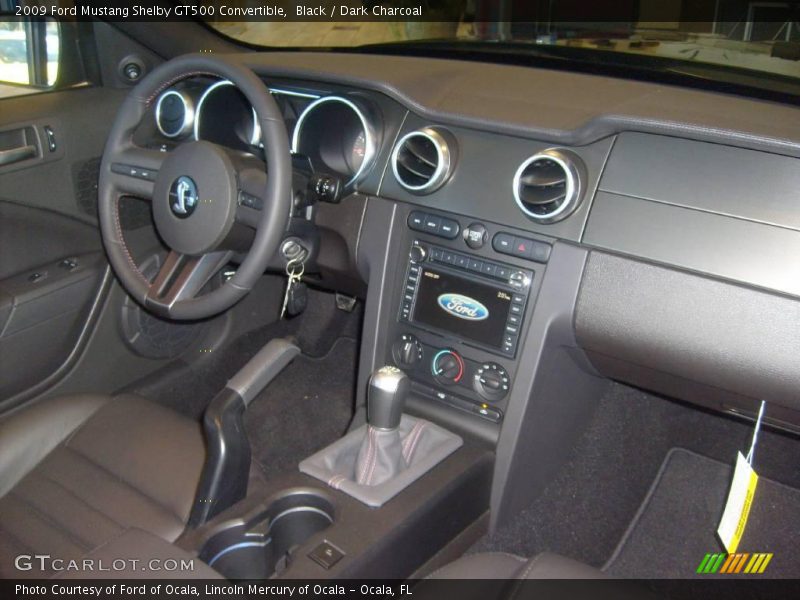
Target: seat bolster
499, 565
30, 434
143, 556
489, 565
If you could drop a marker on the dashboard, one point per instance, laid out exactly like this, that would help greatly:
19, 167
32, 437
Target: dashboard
682, 204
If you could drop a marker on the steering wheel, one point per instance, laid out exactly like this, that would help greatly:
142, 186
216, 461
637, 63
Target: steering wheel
195, 191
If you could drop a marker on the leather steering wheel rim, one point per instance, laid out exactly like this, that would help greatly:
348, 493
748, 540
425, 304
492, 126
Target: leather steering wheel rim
114, 184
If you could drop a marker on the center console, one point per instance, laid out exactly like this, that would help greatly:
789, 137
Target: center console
462, 296
450, 305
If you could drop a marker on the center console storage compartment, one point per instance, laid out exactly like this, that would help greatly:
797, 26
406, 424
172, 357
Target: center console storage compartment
261, 546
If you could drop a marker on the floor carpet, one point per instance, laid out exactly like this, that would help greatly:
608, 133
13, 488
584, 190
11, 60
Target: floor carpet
585, 511
675, 526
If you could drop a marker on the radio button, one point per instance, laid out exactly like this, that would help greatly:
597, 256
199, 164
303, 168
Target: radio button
516, 309
502, 273
416, 220
462, 261
518, 299
448, 257
489, 269
437, 254
475, 265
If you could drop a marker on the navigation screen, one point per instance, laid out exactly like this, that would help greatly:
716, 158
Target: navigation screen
469, 309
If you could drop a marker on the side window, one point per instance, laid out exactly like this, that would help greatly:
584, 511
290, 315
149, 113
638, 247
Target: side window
30, 52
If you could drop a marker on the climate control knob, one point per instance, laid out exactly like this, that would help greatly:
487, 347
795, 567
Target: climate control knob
407, 351
491, 381
447, 367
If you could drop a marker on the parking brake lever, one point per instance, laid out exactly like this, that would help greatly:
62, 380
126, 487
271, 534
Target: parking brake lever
227, 467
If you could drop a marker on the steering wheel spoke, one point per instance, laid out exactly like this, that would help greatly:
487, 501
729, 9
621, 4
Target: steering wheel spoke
133, 171
181, 277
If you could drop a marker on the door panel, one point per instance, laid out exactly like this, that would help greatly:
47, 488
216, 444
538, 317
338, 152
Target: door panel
51, 258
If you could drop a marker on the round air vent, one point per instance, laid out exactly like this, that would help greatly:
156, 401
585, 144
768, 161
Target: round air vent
423, 160
549, 185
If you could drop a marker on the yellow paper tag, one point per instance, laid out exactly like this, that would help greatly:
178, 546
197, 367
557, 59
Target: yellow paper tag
737, 508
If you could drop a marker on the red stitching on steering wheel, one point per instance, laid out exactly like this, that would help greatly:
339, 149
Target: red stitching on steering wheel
175, 80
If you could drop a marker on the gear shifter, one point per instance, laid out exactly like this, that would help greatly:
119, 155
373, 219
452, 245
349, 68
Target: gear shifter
386, 398
380, 457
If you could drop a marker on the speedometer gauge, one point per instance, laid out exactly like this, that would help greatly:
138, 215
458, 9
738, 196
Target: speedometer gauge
336, 135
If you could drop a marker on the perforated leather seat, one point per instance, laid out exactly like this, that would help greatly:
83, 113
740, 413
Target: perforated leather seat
79, 472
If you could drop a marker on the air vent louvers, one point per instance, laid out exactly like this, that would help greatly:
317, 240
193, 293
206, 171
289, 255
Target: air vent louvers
548, 186
423, 159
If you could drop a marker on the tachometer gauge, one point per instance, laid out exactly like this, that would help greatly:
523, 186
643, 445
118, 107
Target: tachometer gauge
358, 151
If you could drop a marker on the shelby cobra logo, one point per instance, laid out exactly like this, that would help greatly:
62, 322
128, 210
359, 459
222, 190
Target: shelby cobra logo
463, 307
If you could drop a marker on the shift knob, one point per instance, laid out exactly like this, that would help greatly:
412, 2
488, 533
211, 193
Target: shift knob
386, 397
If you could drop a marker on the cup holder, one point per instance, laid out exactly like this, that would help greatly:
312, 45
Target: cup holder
261, 547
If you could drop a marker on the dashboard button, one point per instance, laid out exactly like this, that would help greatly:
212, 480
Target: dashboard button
476, 235
462, 261
449, 229
475, 265
489, 269
502, 273
540, 252
503, 243
448, 257
416, 220
432, 224
522, 247
437, 254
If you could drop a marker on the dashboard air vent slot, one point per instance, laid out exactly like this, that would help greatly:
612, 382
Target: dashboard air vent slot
548, 185
422, 160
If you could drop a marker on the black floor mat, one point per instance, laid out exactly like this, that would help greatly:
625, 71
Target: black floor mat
308, 406
675, 526
586, 509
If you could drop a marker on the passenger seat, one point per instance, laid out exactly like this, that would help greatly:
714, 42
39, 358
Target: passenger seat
498, 565
499, 568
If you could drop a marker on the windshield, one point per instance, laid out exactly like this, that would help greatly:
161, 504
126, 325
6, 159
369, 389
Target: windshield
759, 38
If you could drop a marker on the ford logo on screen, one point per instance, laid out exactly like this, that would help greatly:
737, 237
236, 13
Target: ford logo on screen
463, 307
